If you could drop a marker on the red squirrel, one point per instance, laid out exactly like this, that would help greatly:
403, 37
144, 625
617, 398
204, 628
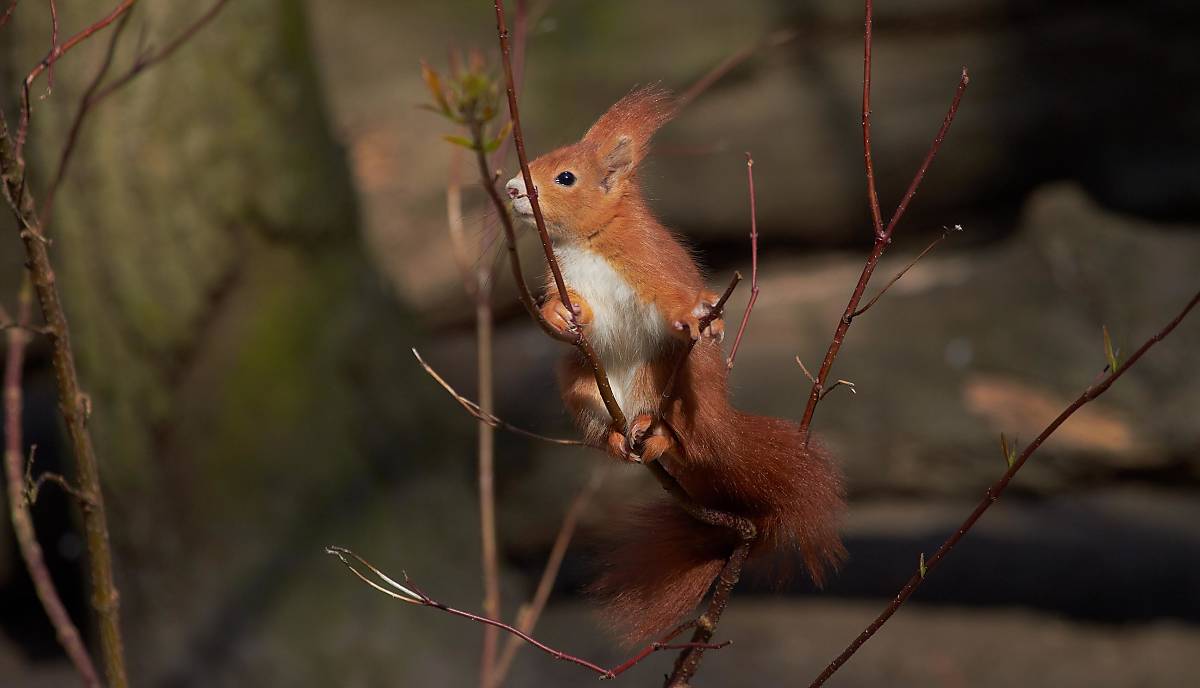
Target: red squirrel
639, 297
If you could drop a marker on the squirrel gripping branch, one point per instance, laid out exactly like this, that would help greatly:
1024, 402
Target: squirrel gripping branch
640, 297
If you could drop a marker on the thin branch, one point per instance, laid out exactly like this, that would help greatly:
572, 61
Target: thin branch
489, 556
85, 105
731, 63
455, 224
994, 492
491, 419
883, 235
868, 163
528, 615
56, 53
737, 342
18, 501
73, 405
580, 340
410, 594
146, 61
933, 244
8, 12
53, 45
688, 661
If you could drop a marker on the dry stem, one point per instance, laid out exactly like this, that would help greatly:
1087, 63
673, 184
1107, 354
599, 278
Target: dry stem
19, 501
994, 492
883, 235
737, 342
409, 593
528, 615
73, 404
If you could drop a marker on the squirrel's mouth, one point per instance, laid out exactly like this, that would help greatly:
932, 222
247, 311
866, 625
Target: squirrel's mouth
521, 206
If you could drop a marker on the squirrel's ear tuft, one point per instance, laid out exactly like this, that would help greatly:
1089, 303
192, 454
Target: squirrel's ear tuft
622, 135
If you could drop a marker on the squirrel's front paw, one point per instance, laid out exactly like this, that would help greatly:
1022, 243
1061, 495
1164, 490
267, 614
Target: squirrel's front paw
704, 309
561, 318
618, 446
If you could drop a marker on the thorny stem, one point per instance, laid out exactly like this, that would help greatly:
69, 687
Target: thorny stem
883, 235
410, 593
737, 342
73, 404
994, 492
19, 502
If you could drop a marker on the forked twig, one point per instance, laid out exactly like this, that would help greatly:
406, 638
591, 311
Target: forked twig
489, 418
409, 593
994, 492
883, 234
896, 278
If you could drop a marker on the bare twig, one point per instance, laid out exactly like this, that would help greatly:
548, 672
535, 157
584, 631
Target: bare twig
56, 53
883, 235
19, 502
933, 244
489, 556
53, 45
148, 60
8, 12
73, 404
528, 615
85, 105
580, 340
731, 63
737, 342
491, 419
994, 492
408, 592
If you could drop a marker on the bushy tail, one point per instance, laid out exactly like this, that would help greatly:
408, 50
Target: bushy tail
658, 566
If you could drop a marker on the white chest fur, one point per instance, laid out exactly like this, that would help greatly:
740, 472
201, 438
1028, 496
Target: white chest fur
625, 331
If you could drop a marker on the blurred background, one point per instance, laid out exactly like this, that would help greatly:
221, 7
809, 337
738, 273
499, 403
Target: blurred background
253, 235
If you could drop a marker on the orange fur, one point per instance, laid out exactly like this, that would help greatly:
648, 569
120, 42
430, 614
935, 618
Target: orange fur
640, 295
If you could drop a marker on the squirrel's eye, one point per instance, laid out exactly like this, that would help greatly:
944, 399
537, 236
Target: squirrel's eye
565, 178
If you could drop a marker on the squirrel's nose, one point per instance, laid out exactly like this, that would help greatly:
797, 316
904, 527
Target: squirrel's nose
516, 187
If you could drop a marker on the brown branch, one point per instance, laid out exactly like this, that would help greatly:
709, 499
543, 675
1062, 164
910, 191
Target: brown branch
53, 45
73, 404
56, 53
409, 593
8, 12
580, 340
933, 244
19, 501
489, 418
489, 556
729, 64
85, 105
144, 62
994, 492
868, 163
688, 661
528, 615
737, 342
883, 235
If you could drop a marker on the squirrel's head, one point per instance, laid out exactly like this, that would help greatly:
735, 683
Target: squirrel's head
580, 187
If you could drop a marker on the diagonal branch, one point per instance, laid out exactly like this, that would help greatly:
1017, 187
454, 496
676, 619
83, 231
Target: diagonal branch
994, 492
489, 418
528, 615
409, 593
